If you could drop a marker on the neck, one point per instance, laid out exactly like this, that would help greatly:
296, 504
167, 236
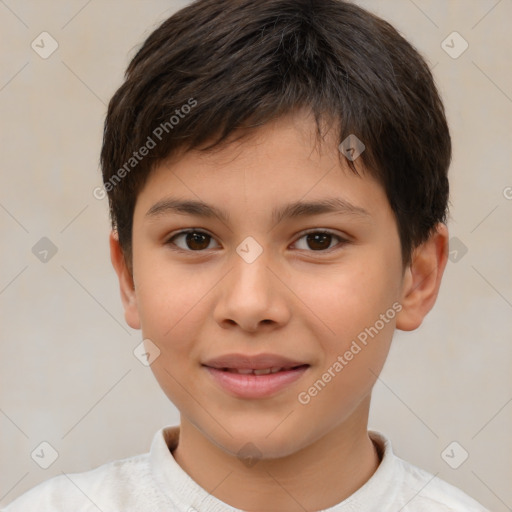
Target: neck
316, 477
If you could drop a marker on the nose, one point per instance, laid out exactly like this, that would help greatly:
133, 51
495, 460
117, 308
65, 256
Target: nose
251, 296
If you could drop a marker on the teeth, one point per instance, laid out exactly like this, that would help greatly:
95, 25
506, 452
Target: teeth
242, 371
263, 371
249, 371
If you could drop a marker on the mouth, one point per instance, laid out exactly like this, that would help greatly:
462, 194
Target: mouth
270, 363
254, 377
260, 371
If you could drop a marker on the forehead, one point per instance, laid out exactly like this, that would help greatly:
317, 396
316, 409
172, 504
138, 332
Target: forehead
280, 163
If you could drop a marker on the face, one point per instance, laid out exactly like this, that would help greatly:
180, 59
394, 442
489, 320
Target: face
316, 287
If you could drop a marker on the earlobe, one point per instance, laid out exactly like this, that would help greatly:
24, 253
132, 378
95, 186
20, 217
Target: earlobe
126, 284
422, 279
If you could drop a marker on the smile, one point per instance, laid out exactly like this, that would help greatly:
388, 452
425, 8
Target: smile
255, 383
262, 371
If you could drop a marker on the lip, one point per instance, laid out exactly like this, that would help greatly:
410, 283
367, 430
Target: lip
255, 362
250, 385
255, 386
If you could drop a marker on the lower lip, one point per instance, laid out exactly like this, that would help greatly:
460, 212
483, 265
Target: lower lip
255, 386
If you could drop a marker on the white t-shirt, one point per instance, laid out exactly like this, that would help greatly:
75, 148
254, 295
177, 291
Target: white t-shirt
154, 482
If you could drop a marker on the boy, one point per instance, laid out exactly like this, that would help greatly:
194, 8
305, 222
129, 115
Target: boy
246, 136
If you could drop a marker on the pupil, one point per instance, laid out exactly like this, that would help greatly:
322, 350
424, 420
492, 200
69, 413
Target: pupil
319, 238
197, 238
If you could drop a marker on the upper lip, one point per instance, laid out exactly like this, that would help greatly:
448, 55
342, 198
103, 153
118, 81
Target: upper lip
256, 362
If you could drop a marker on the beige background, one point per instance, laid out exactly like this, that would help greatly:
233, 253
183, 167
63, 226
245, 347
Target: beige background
67, 372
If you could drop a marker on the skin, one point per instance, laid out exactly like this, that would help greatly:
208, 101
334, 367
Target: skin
205, 301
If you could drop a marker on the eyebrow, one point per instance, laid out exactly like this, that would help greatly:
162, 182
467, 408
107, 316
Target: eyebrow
288, 211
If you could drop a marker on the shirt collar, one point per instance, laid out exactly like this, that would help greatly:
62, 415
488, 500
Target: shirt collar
188, 496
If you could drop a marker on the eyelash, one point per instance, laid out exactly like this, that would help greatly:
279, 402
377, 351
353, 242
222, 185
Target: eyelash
174, 247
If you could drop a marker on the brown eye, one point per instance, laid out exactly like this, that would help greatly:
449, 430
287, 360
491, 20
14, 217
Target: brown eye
194, 241
319, 241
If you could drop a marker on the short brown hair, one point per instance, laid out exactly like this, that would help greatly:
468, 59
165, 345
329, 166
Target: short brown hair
217, 67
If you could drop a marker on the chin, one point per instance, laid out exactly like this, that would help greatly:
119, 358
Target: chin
253, 439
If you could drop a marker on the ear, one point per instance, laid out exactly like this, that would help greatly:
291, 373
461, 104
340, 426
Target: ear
422, 279
126, 284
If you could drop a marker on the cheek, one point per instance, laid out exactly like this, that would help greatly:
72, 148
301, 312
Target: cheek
171, 309
347, 299
352, 359
167, 294
355, 305
361, 309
